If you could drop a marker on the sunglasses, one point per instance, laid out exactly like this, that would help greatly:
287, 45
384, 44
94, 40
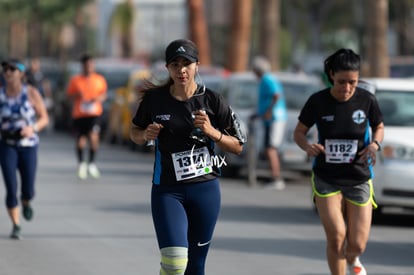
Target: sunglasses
7, 68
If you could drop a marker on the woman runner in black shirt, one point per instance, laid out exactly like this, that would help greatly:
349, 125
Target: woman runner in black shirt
344, 115
185, 120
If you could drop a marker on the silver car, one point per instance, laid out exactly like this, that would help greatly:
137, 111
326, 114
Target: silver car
241, 90
394, 170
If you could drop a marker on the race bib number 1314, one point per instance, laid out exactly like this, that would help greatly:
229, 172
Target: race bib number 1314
192, 163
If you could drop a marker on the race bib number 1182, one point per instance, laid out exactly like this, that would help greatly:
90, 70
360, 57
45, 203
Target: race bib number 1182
340, 150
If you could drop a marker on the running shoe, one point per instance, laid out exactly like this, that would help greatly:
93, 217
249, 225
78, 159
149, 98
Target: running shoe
93, 171
357, 268
83, 170
276, 185
27, 212
15, 234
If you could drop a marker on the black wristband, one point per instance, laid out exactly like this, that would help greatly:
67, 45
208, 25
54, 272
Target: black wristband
378, 144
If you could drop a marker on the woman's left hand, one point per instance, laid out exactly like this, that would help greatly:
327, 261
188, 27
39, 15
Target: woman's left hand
27, 131
202, 121
369, 154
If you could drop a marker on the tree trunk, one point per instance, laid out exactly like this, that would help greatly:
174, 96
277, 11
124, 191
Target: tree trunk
198, 30
239, 46
404, 27
17, 39
35, 35
377, 51
270, 31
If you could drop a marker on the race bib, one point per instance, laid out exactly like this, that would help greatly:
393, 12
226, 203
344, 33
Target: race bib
340, 150
192, 163
89, 107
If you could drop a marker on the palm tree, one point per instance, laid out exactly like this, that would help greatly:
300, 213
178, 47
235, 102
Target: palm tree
377, 48
122, 20
402, 20
270, 31
239, 49
198, 29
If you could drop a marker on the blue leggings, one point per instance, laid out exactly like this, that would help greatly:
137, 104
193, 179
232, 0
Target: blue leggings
185, 216
24, 159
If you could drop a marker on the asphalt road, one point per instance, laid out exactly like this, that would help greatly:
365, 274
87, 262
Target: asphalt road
104, 226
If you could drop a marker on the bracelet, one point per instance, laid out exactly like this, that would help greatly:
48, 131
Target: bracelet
219, 139
378, 144
35, 128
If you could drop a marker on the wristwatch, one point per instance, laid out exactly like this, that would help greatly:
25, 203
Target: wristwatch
378, 144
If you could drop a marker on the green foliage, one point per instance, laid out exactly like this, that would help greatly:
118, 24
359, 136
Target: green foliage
50, 14
123, 17
51, 11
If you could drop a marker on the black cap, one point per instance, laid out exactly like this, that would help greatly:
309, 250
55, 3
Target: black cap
14, 63
181, 48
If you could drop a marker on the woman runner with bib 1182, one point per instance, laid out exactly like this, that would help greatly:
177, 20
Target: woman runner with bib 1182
185, 120
350, 129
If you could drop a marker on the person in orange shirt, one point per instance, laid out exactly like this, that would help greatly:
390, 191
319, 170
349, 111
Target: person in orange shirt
87, 91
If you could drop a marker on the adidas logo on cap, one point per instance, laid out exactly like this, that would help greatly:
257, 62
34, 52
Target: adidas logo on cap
180, 50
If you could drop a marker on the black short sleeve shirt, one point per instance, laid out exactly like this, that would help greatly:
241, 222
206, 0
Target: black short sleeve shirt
342, 123
176, 117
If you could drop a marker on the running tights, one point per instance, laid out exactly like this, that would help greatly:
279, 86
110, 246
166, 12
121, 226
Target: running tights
185, 216
23, 159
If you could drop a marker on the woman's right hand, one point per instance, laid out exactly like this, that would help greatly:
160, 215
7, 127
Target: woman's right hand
152, 131
315, 149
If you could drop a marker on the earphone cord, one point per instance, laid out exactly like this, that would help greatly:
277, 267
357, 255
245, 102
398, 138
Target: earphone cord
199, 85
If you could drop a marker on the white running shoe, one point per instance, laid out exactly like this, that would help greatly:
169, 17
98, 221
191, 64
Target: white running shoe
83, 170
276, 185
93, 171
357, 268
